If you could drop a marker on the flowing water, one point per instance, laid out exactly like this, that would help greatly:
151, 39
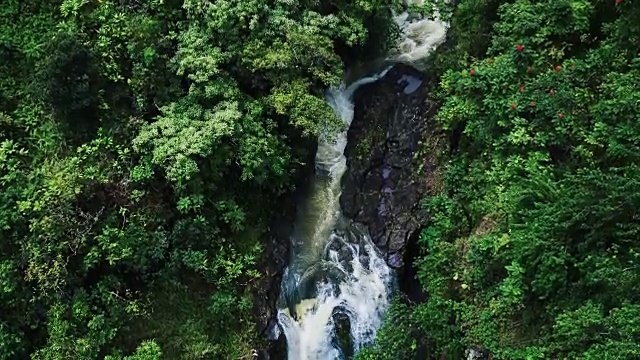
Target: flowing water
419, 38
335, 270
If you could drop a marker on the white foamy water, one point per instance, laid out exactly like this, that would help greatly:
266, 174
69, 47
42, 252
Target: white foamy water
362, 295
322, 207
419, 36
361, 291
335, 268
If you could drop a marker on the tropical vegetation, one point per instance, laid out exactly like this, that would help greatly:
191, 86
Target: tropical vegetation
533, 247
143, 144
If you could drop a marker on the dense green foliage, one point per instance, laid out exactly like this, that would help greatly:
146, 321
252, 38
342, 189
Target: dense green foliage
533, 250
142, 147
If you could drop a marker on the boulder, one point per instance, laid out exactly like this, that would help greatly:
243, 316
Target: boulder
391, 155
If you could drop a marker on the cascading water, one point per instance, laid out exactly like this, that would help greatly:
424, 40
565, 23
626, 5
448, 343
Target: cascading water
319, 281
335, 269
419, 38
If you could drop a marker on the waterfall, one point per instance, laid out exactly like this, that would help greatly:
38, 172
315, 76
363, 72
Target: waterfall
319, 282
335, 269
419, 38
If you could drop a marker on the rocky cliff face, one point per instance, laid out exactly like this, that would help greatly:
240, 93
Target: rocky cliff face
391, 159
266, 289
272, 263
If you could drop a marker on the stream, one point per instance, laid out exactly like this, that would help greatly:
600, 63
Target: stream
336, 275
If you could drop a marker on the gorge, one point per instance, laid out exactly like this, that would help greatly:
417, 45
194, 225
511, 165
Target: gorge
175, 183
336, 269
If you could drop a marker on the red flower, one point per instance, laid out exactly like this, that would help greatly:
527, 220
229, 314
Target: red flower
514, 106
472, 72
532, 104
618, 1
560, 115
521, 88
558, 67
530, 70
519, 47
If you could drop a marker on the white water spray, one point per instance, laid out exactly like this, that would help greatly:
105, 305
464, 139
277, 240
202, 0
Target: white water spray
362, 295
419, 37
335, 267
358, 290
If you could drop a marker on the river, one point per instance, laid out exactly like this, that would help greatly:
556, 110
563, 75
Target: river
335, 270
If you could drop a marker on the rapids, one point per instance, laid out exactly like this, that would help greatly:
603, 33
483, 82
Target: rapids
335, 269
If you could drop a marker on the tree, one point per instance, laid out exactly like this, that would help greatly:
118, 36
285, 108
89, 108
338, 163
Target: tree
532, 249
142, 147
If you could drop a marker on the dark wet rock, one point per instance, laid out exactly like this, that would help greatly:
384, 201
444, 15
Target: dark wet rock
266, 291
268, 285
343, 333
272, 264
343, 253
391, 157
408, 282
